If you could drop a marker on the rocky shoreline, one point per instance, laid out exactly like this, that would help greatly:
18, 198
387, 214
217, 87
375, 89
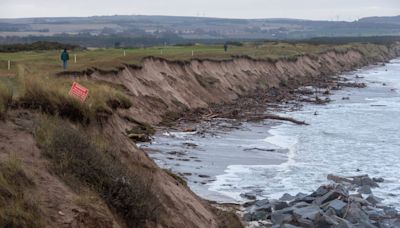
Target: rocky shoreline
345, 202
310, 85
259, 213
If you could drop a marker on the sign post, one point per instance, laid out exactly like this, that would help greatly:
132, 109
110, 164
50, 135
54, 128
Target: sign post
75, 58
79, 92
9, 65
124, 53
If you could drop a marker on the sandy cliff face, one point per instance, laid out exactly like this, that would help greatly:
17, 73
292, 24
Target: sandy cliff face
160, 86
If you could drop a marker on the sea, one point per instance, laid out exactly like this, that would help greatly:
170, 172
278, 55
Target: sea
357, 133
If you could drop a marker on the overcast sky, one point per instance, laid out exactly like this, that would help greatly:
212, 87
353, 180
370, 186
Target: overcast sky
303, 9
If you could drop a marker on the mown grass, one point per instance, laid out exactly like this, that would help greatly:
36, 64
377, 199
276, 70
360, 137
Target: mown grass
80, 160
48, 63
17, 208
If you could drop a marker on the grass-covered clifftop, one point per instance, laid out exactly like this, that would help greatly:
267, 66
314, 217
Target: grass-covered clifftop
48, 62
33, 81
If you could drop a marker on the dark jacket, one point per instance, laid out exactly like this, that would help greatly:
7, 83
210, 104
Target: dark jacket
64, 56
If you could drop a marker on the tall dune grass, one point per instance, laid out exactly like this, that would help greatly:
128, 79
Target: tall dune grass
51, 96
5, 99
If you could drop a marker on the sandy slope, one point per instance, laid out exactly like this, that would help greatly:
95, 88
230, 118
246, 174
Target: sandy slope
162, 85
155, 88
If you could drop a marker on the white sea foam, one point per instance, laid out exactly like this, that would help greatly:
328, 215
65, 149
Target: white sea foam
178, 134
238, 179
284, 142
344, 137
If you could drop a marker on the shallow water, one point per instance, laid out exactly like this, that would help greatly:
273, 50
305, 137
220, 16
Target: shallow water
273, 157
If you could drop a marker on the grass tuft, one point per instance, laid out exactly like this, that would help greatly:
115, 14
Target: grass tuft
5, 99
51, 97
78, 158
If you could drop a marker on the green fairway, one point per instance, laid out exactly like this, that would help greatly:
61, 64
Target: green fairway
48, 62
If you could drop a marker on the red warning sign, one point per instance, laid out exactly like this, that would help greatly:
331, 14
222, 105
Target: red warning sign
79, 92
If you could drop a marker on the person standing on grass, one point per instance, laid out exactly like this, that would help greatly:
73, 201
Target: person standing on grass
65, 58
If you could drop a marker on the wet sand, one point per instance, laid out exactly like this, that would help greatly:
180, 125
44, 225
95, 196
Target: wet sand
221, 146
201, 155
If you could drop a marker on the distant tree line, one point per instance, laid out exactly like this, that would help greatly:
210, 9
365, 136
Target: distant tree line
36, 46
88, 40
13, 44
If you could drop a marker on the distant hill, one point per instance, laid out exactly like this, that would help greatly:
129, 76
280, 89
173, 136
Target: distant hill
382, 20
136, 30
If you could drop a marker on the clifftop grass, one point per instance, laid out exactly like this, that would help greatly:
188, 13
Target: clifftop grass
48, 63
51, 95
36, 85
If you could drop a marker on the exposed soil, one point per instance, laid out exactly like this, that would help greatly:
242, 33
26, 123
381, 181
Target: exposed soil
57, 201
165, 91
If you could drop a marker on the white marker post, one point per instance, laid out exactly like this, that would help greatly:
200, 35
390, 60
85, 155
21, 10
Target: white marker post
75, 58
9, 65
124, 53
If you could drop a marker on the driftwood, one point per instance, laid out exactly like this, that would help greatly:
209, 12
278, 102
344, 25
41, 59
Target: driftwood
275, 117
210, 116
139, 137
253, 118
